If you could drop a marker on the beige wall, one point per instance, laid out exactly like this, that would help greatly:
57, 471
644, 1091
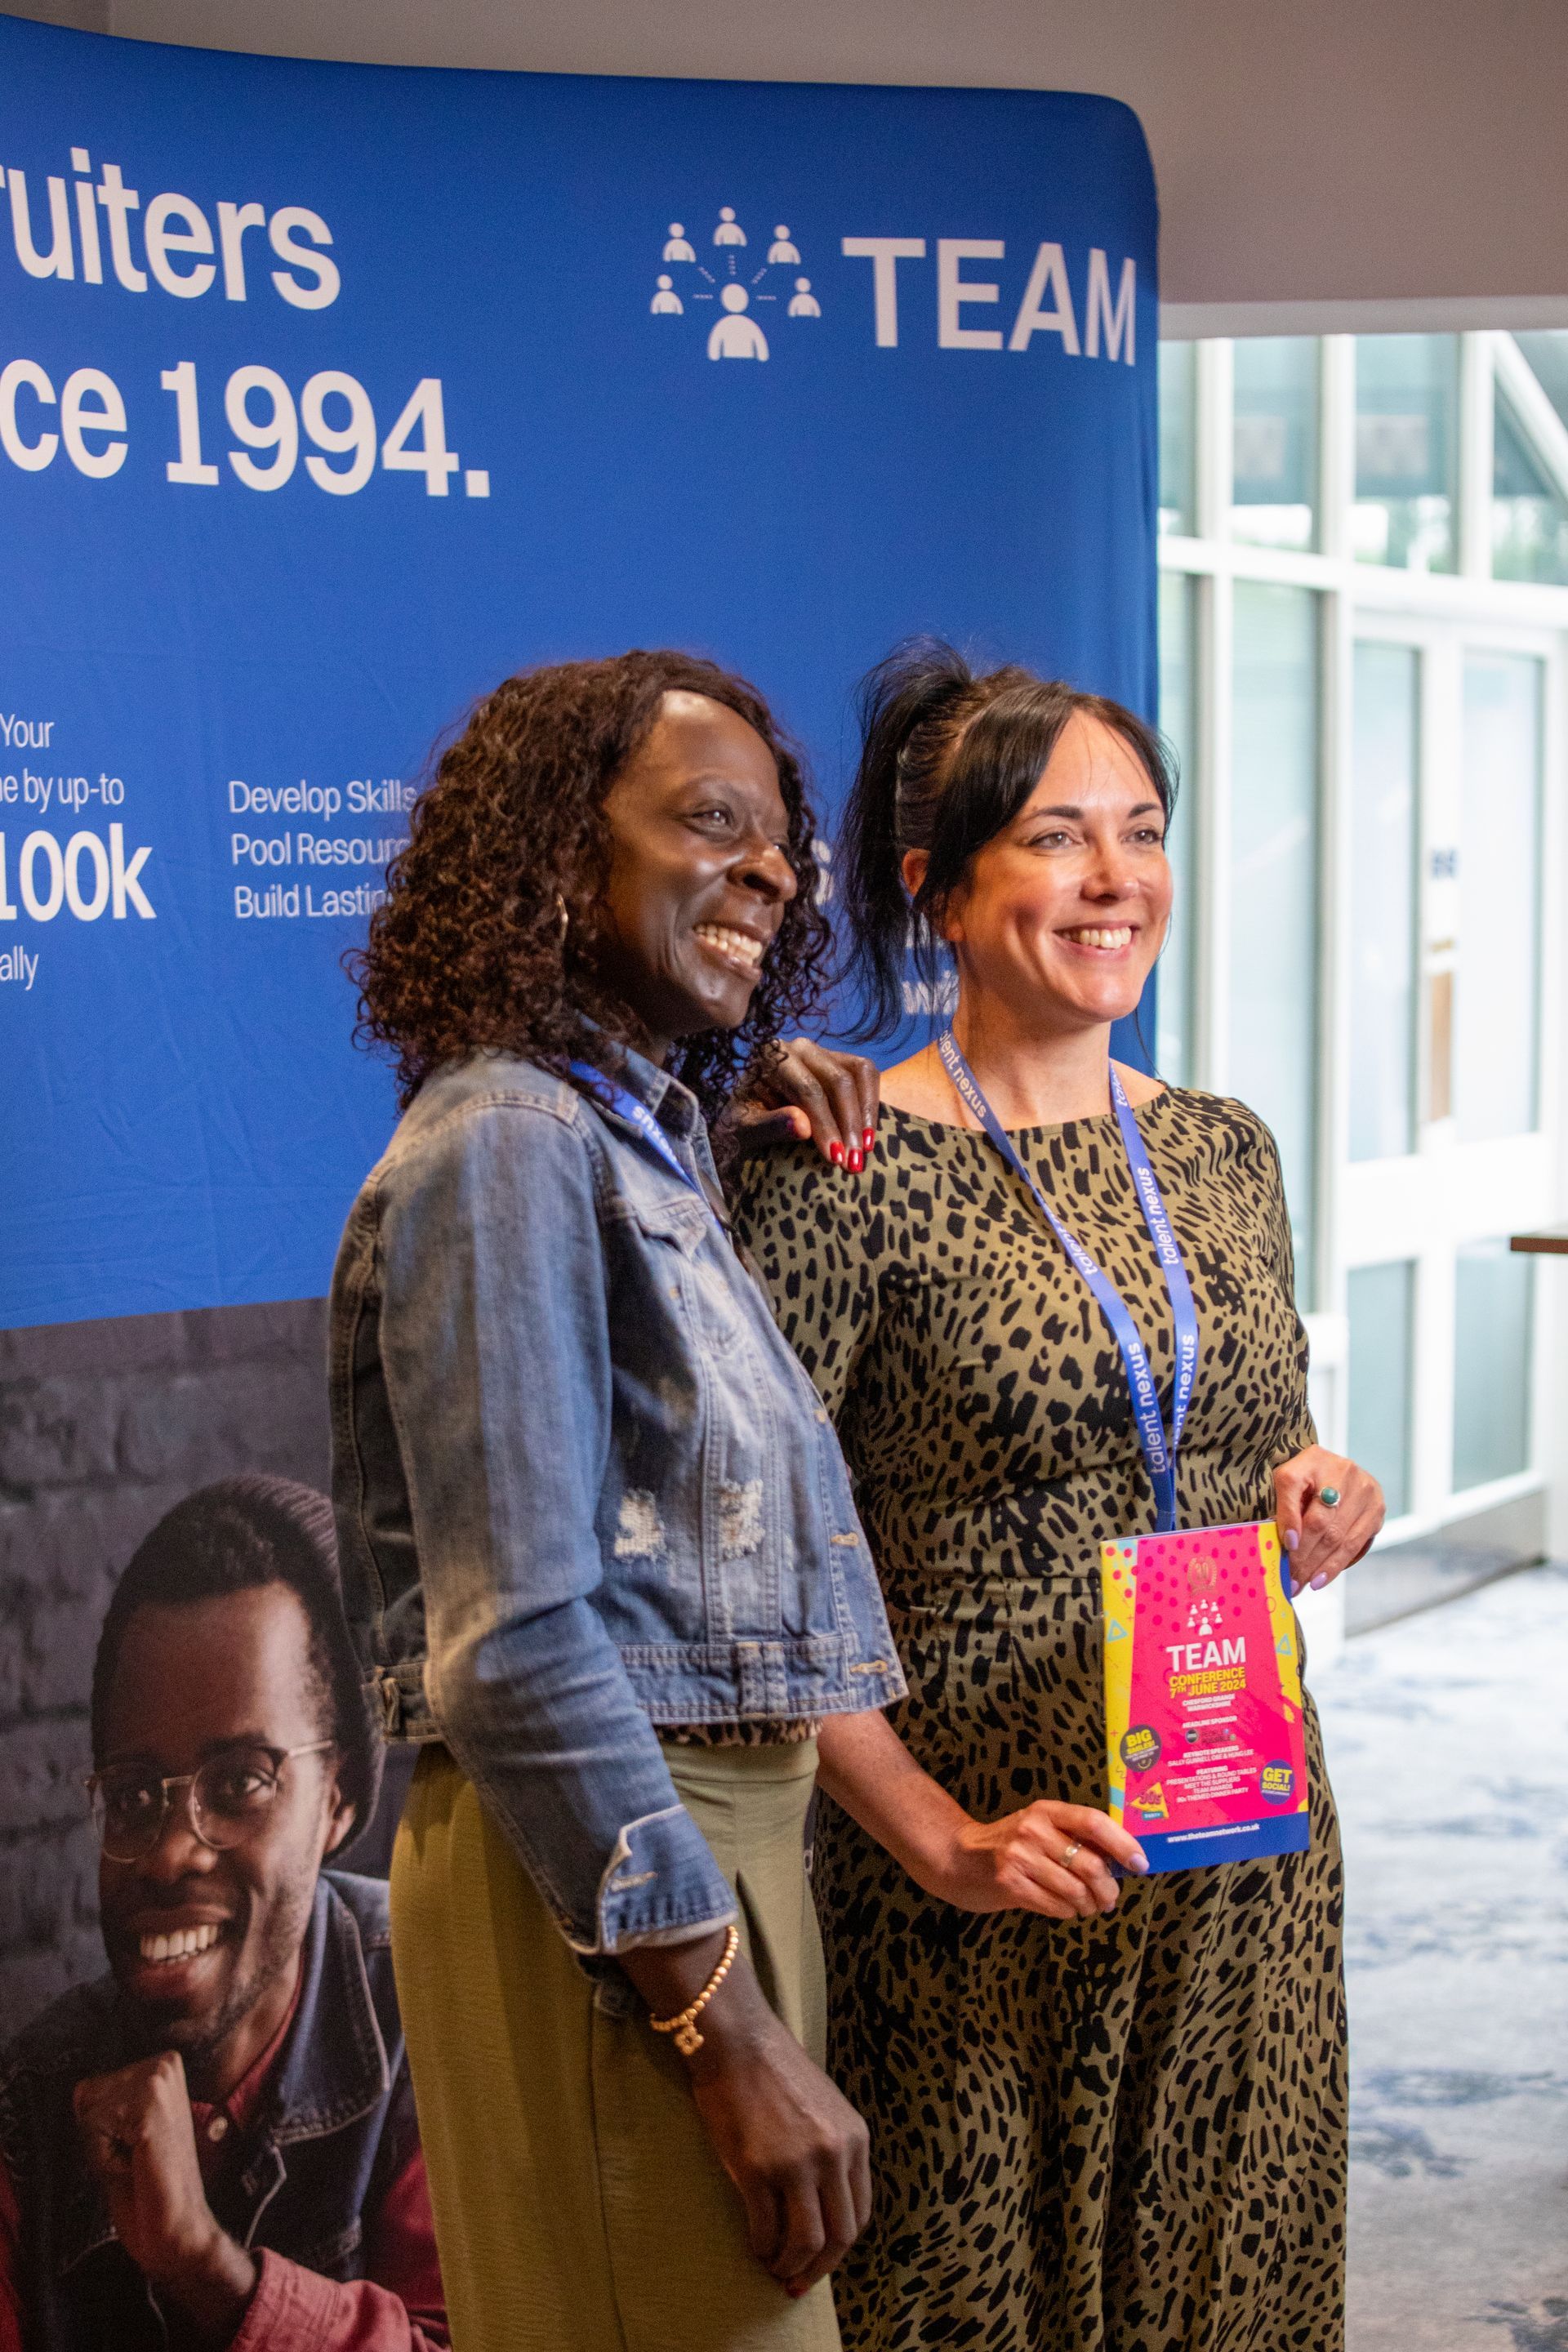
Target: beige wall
1309, 151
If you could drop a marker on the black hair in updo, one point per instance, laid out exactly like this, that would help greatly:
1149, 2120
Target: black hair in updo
947, 760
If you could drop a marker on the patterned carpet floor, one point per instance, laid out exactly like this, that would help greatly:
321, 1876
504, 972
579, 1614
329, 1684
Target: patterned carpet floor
1447, 1745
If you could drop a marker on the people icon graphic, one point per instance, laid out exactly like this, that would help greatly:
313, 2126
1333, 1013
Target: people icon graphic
737, 337
739, 291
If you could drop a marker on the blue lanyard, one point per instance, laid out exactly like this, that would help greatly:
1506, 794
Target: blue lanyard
626, 1103
1159, 1455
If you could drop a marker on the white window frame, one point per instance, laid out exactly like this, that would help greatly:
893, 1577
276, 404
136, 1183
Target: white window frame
1434, 611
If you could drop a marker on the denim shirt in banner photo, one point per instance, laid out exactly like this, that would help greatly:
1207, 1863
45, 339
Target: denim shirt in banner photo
582, 1484
335, 2130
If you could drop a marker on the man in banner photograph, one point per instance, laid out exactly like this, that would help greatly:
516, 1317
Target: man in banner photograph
215, 2143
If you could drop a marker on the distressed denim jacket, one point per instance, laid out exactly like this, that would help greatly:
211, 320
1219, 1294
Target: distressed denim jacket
583, 1486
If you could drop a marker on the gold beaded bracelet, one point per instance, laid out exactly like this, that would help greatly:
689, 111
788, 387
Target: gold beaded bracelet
688, 2040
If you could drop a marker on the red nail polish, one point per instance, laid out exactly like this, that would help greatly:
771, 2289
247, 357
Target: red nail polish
857, 1161
868, 1138
835, 1153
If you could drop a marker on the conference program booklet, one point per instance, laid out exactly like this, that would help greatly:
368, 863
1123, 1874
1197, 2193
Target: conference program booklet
1205, 1748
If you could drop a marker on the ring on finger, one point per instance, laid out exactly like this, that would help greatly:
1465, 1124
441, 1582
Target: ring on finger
1076, 1847
1330, 1497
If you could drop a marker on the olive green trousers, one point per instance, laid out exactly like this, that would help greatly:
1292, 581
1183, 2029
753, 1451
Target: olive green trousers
579, 2205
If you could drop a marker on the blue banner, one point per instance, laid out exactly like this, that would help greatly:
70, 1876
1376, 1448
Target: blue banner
330, 395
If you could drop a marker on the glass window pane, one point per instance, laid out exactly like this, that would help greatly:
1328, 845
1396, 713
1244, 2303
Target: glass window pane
1174, 1038
1496, 1009
1383, 902
1407, 453
1493, 1316
1275, 441
1274, 884
1178, 436
1530, 513
1382, 1305
1547, 355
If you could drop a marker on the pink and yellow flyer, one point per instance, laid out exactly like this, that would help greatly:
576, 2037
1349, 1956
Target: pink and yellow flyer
1205, 1747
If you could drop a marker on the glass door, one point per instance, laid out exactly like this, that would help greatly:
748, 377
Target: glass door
1444, 1144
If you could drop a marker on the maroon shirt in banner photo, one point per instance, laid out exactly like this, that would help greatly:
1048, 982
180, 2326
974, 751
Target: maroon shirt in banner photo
397, 2306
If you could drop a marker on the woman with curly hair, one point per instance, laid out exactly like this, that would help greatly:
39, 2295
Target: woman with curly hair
598, 1543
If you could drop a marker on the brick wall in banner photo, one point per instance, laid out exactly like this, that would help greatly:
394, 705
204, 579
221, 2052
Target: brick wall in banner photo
102, 1427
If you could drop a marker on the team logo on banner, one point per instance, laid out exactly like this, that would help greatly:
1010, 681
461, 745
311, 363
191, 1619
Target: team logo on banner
718, 286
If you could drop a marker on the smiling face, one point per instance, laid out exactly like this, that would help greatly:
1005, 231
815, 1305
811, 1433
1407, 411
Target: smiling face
206, 1944
700, 874
1063, 912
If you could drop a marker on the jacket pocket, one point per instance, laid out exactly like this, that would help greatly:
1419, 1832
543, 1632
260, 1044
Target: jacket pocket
338, 2256
683, 1241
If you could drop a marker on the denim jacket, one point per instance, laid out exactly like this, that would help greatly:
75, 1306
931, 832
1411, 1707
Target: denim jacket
336, 2129
583, 1486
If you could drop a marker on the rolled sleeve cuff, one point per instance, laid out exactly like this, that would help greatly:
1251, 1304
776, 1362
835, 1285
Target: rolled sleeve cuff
290, 2311
660, 1883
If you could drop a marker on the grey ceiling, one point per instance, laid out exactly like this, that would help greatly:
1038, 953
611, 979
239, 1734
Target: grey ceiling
1401, 154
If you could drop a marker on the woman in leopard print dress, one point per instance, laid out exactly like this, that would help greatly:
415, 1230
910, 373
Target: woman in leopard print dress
1124, 2133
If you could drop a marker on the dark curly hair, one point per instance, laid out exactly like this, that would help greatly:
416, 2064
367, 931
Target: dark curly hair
233, 1537
470, 947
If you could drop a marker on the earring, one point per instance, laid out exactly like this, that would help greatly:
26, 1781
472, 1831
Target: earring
563, 916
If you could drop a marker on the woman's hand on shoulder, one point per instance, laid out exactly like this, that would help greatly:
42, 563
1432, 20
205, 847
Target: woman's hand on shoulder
1324, 1539
1049, 1857
811, 1094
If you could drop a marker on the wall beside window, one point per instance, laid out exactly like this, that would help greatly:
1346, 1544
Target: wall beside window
1274, 824
1175, 1042
1383, 830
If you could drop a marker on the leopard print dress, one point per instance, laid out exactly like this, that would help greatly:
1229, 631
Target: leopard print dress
1118, 2134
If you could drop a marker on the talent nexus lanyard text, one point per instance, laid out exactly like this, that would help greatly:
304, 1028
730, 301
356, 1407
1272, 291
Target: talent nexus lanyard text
1159, 1453
620, 1099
